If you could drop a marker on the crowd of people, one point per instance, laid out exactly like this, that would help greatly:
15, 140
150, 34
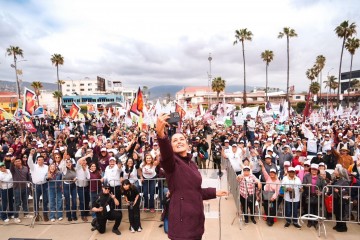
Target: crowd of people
120, 163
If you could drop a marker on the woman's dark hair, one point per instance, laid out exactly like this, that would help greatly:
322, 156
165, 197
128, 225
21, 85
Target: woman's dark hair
127, 182
96, 165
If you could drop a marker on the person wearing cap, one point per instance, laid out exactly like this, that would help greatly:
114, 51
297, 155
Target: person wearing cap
326, 142
186, 209
339, 189
318, 159
103, 159
248, 183
112, 177
268, 164
344, 158
235, 156
202, 148
38, 174
270, 194
82, 150
7, 194
292, 188
330, 159
346, 143
104, 207
71, 142
249, 126
298, 159
284, 155
312, 193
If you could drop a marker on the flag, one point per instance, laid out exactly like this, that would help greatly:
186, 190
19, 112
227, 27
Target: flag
307, 110
134, 108
5, 115
29, 101
28, 125
74, 110
63, 112
268, 106
180, 110
140, 100
39, 112
90, 108
215, 109
198, 111
292, 88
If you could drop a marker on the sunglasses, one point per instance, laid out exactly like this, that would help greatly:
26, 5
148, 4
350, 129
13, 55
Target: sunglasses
246, 170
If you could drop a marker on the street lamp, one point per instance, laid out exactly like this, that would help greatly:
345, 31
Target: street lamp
209, 82
17, 77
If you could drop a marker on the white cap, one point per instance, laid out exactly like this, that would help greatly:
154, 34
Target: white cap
291, 169
287, 146
269, 149
267, 156
307, 162
85, 141
61, 149
112, 159
287, 163
56, 151
50, 145
319, 153
314, 165
322, 164
299, 149
155, 144
199, 138
269, 139
340, 134
283, 140
327, 135
242, 141
256, 141
226, 140
40, 145
345, 137
234, 145
72, 135
327, 149
273, 170
246, 167
293, 149
8, 154
103, 149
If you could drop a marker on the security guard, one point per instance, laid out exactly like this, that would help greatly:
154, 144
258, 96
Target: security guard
104, 207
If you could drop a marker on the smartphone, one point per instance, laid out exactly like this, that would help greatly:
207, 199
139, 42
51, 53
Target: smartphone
174, 118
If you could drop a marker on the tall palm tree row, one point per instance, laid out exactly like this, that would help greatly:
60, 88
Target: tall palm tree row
288, 33
58, 96
37, 87
57, 59
242, 35
267, 56
218, 85
331, 83
15, 51
352, 44
343, 31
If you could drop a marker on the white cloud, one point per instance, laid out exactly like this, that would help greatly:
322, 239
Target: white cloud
156, 42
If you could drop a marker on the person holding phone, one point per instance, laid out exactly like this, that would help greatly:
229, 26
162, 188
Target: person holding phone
186, 211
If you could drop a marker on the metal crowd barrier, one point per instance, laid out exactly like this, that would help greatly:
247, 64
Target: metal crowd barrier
60, 199
330, 204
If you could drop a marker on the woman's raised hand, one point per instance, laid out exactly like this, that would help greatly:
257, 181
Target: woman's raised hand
161, 124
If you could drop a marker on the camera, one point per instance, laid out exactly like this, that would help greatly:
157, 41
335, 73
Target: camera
174, 118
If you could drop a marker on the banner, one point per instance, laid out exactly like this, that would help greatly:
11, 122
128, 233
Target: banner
29, 101
74, 110
90, 108
5, 115
180, 110
39, 112
28, 125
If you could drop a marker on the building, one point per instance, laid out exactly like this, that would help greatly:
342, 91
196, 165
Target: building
9, 101
100, 100
345, 76
80, 87
204, 95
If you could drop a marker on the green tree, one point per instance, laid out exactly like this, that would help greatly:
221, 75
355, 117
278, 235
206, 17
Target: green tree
58, 96
267, 56
320, 64
37, 87
288, 33
343, 31
300, 106
242, 35
314, 88
352, 44
15, 51
218, 85
57, 59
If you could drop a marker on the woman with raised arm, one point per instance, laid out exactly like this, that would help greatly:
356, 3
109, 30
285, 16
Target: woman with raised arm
186, 211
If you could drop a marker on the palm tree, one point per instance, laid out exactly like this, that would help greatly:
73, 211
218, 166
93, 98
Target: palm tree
267, 56
37, 87
15, 51
289, 33
320, 64
240, 36
58, 96
218, 85
344, 31
57, 59
314, 88
352, 44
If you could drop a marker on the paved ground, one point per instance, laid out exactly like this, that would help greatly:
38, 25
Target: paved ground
151, 230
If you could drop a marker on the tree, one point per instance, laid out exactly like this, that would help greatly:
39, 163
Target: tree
344, 31
314, 88
37, 87
267, 56
352, 44
218, 85
240, 36
58, 96
15, 51
57, 59
289, 33
355, 83
320, 64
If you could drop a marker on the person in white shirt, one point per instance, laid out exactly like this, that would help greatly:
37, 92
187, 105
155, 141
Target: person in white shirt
292, 188
250, 129
82, 183
7, 194
326, 143
235, 157
112, 177
39, 172
148, 175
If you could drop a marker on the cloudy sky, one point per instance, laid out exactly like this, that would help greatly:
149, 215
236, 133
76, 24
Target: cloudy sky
158, 42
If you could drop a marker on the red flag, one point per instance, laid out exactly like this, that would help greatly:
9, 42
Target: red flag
180, 110
74, 110
140, 100
28, 125
307, 110
134, 108
63, 112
